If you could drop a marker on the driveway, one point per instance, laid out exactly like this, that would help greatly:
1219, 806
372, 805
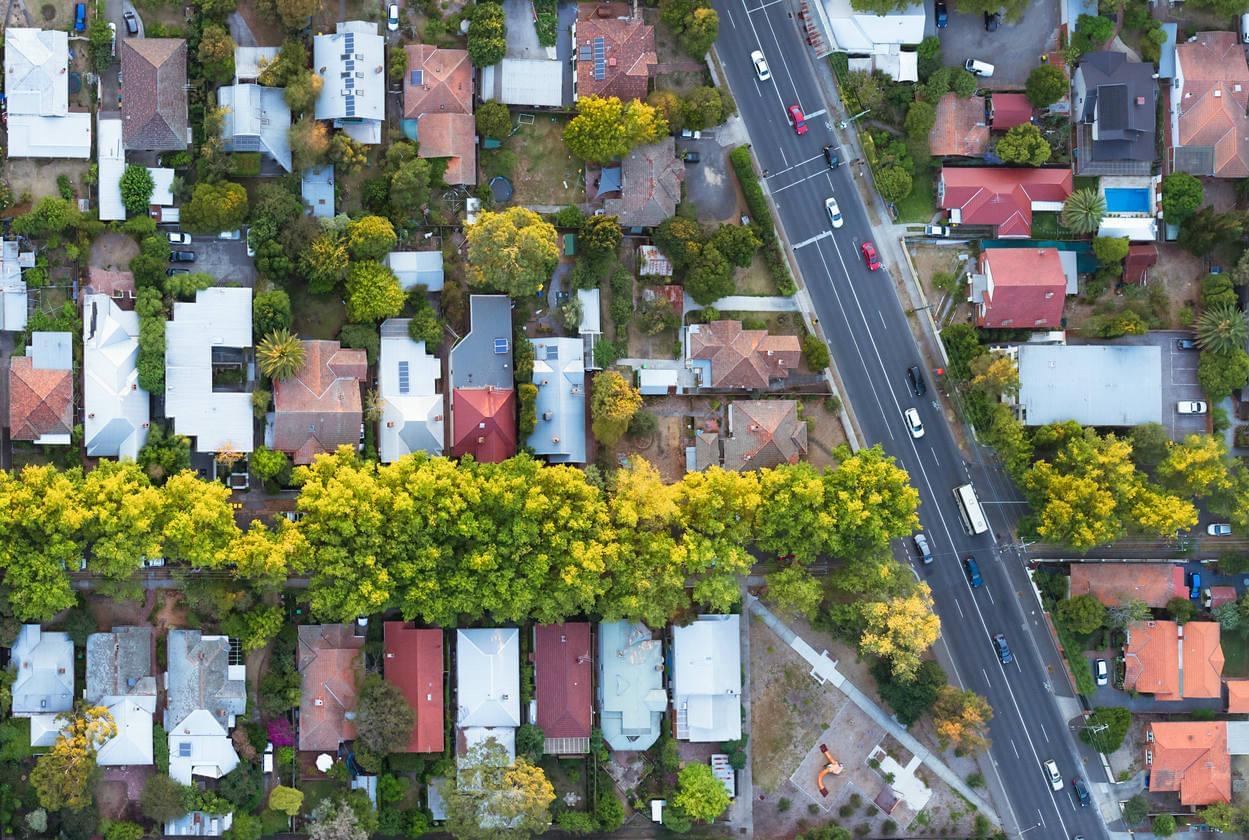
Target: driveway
224, 259
707, 183
522, 35
1013, 50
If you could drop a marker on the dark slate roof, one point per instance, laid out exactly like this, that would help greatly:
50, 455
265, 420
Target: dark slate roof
153, 108
1121, 97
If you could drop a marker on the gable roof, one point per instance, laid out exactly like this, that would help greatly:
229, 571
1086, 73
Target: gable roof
1237, 696
44, 665
483, 423
414, 664
1000, 197
154, 108
329, 655
960, 129
1211, 130
319, 408
562, 669
651, 179
1173, 662
412, 407
257, 120
350, 60
487, 677
120, 677
1120, 98
1116, 584
631, 693
1029, 288
483, 357
1191, 758
36, 79
116, 410
536, 82
1009, 110
738, 358
1140, 257
200, 677
559, 374
438, 81
707, 678
451, 136
764, 433
41, 390
614, 53
417, 268
200, 746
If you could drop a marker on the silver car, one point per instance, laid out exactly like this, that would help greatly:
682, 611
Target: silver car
761, 66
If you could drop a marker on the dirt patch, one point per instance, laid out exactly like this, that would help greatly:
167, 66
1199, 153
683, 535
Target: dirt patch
162, 19
267, 32
1171, 293
32, 179
545, 173
664, 345
113, 251
665, 449
113, 612
755, 279
823, 435
930, 260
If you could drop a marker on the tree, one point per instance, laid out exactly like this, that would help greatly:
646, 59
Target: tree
680, 239
335, 819
1110, 249
300, 95
100, 41
396, 63
1046, 85
216, 53
1217, 291
512, 251
136, 189
921, 116
1118, 618
63, 777
409, 186
794, 591
1082, 614
702, 108
700, 794
1221, 373
600, 235
694, 23
1083, 210
737, 243
288, 800
900, 630
294, 14
606, 128
1182, 194
871, 501
1106, 728
50, 217
815, 352
1227, 615
910, 700
486, 44
325, 263
1024, 144
121, 830
425, 325
893, 183
1204, 230
962, 83
1222, 329
271, 311
1164, 825
488, 793
384, 718
1181, 609
530, 742
710, 277
245, 827
267, 464
371, 238
161, 799
612, 406
1092, 32
1225, 817
878, 7
493, 120
961, 719
373, 293
1135, 810
215, 207
280, 355
1196, 466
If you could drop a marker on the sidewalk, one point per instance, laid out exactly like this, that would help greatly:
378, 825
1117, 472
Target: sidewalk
745, 303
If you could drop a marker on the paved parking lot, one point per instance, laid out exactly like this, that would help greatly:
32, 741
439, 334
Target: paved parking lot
1179, 381
707, 183
224, 259
1013, 50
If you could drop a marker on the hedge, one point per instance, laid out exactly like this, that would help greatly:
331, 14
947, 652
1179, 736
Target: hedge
761, 215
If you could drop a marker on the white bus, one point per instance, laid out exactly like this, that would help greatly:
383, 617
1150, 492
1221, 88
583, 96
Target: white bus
969, 510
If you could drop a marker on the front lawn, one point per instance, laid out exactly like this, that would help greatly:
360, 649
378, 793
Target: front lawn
920, 205
1235, 654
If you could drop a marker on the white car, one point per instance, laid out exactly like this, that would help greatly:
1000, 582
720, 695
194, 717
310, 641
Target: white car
112, 32
834, 212
761, 66
1219, 529
1051, 773
230, 234
978, 68
177, 237
392, 17
1191, 407
913, 423
1101, 672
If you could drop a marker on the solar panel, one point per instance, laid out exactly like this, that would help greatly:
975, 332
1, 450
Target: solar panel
351, 83
403, 377
600, 58
349, 42
584, 53
500, 346
351, 106
349, 65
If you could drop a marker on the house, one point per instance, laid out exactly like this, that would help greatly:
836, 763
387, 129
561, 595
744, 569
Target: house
205, 337
761, 434
1190, 758
13, 299
412, 406
328, 658
487, 679
649, 185
153, 108
120, 677
1007, 110
1093, 384
1209, 98
257, 119
559, 374
414, 664
631, 696
613, 52
41, 390
316, 186
483, 423
1237, 696
42, 662
1019, 288
250, 62
1116, 103
116, 411
1002, 198
354, 93
483, 397
1118, 584
1173, 661
960, 129
707, 679
417, 268
205, 691
526, 82
562, 673
873, 42
319, 408
36, 86
438, 96
110, 156
726, 356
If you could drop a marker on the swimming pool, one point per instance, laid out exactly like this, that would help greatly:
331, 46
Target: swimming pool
1127, 199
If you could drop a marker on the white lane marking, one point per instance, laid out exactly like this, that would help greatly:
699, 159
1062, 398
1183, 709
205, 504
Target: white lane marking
987, 682
990, 594
1016, 749
820, 156
960, 608
795, 183
764, 6
729, 11
1042, 816
883, 325
779, 51
804, 243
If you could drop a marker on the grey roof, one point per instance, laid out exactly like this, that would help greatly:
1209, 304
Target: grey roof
351, 62
707, 679
487, 677
199, 676
44, 662
417, 268
1166, 58
631, 692
51, 351
1093, 384
317, 188
1195, 160
257, 120
120, 663
476, 361
559, 373
250, 62
1120, 99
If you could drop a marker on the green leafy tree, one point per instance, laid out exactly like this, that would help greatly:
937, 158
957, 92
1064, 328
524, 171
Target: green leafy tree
815, 352
271, 311
121, 830
486, 40
1135, 810
1182, 194
245, 827
384, 719
63, 777
488, 792
530, 741
325, 263
1206, 229
1221, 373
893, 183
600, 235
1092, 32
710, 277
100, 44
1106, 728
606, 128
700, 794
371, 238
301, 94
1110, 249
1164, 825
216, 53
136, 189
280, 355
373, 293
161, 799
738, 244
424, 325
1083, 210
911, 699
288, 800
513, 251
292, 14
962, 83
694, 23
680, 239
215, 207
1046, 85
794, 591
493, 120
961, 719
50, 217
409, 186
267, 464
613, 403
703, 107
1024, 144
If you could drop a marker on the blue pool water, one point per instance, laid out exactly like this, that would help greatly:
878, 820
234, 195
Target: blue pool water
1127, 199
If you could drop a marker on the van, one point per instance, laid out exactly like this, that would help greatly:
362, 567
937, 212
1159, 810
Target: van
1194, 593
978, 68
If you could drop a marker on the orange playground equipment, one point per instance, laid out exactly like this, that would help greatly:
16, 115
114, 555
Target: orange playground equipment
833, 766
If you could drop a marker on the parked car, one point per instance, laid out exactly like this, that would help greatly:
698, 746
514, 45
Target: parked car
942, 14
1219, 529
977, 67
921, 547
913, 423
1003, 650
80, 17
1191, 407
392, 17
972, 569
1051, 774
1194, 589
833, 159
918, 386
153, 562
692, 156
177, 237
1081, 791
991, 21
690, 134
936, 230
1101, 671
233, 235
132, 23
1186, 344
112, 35
834, 212
173, 272
762, 73
1207, 598
797, 120
870, 257
182, 256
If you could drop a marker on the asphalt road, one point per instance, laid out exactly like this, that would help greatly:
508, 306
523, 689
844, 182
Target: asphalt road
863, 319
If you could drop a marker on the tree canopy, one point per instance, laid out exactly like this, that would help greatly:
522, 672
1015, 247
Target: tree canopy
606, 128
512, 251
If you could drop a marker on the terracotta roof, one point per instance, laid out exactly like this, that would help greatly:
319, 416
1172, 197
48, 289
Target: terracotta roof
154, 109
1115, 584
414, 663
438, 81
1160, 662
41, 400
651, 179
1237, 696
766, 433
562, 669
1220, 595
451, 136
622, 66
329, 655
1140, 257
1202, 667
1212, 105
104, 282
1029, 288
743, 358
319, 409
960, 129
483, 423
1010, 110
999, 196
1191, 758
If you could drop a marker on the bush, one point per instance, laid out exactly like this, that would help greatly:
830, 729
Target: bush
1164, 825
815, 352
1106, 728
1135, 810
756, 201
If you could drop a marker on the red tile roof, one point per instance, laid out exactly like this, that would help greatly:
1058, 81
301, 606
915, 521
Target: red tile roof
766, 433
999, 196
1220, 595
1140, 257
442, 105
1173, 664
414, 663
319, 409
451, 136
1028, 289
104, 282
1237, 696
1213, 101
629, 52
41, 401
743, 358
483, 423
562, 669
960, 129
1010, 110
1115, 584
329, 655
1190, 758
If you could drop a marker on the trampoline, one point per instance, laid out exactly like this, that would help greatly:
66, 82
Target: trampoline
501, 189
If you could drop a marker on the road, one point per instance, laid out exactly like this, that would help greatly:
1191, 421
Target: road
863, 319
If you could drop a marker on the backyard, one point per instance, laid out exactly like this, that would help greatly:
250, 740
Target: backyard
316, 317
544, 173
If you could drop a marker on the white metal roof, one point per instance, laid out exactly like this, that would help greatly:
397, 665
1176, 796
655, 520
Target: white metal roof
1094, 384
416, 268
12, 288
524, 81
258, 120
707, 677
67, 136
36, 72
250, 61
200, 746
354, 89
488, 677
1135, 228
413, 420
117, 411
111, 159
858, 32
132, 745
590, 312
162, 186
44, 662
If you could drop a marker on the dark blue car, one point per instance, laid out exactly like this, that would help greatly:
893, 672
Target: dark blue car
942, 14
972, 568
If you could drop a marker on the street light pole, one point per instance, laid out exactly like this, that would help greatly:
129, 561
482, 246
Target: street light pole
846, 123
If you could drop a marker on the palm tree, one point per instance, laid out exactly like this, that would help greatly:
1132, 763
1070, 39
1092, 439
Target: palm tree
1222, 329
281, 355
1083, 211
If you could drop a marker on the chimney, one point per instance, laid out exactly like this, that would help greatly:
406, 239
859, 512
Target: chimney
390, 424
1140, 100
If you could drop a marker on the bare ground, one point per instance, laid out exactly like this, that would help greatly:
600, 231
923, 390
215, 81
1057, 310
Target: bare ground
929, 260
38, 177
113, 251
824, 435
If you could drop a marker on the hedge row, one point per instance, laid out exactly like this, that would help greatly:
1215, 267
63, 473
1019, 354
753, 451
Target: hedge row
761, 214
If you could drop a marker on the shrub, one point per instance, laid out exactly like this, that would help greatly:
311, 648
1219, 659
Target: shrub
815, 352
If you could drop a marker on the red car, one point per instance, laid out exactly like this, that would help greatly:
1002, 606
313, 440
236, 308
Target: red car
869, 256
798, 120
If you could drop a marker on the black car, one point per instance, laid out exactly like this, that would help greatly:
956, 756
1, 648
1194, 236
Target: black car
1081, 791
916, 376
182, 256
942, 14
991, 21
692, 157
831, 157
1186, 344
